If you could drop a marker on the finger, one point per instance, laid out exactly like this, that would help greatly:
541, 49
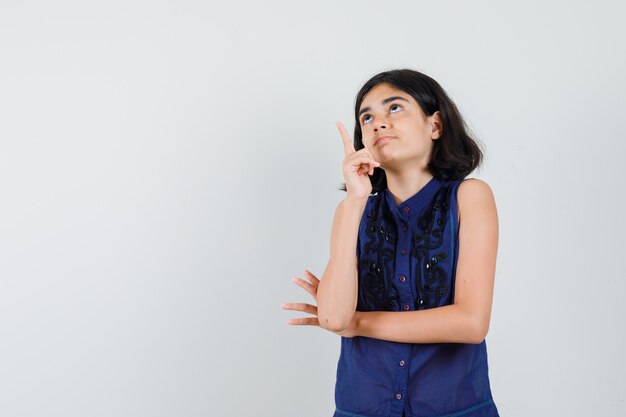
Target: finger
314, 280
305, 285
365, 152
361, 159
304, 307
348, 146
308, 321
368, 164
365, 170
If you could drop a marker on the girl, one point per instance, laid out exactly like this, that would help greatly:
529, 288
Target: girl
409, 283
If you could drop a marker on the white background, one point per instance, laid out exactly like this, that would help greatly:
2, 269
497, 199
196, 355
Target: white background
166, 168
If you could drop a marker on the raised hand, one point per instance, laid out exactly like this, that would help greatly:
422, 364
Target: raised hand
357, 165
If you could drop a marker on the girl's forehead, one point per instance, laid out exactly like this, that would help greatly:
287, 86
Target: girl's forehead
381, 94
383, 88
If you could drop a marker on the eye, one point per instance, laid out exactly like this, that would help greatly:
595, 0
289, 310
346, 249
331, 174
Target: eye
395, 105
365, 119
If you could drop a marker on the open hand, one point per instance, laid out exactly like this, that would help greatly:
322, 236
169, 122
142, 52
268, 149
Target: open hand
311, 288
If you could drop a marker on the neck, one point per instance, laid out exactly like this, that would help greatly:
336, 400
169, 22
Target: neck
404, 184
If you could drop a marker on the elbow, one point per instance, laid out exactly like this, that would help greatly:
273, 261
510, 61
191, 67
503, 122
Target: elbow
479, 331
332, 319
334, 323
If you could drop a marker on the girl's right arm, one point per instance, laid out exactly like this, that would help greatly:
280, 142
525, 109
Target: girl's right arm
337, 291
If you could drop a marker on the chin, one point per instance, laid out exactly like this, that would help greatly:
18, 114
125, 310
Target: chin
387, 155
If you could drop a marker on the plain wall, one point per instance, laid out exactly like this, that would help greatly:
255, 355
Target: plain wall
166, 168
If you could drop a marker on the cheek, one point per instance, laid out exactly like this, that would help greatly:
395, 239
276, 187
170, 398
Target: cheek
367, 136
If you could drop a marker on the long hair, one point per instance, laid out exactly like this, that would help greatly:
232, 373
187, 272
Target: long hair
454, 155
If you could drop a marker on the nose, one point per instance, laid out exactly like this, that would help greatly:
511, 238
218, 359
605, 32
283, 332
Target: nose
380, 123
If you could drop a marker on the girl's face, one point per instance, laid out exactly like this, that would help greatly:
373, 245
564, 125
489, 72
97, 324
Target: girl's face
395, 129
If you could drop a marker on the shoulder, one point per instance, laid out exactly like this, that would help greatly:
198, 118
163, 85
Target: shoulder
475, 198
473, 188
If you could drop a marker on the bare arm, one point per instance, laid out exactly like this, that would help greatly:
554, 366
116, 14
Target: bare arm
337, 291
467, 320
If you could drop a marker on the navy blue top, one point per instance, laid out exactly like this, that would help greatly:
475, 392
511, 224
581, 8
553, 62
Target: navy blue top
407, 257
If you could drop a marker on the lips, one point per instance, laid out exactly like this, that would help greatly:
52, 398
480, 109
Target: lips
383, 139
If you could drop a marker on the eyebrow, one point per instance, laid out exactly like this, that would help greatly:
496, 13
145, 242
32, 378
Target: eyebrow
385, 101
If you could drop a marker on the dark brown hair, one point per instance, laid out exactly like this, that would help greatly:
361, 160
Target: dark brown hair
454, 155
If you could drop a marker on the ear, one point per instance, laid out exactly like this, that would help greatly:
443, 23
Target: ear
436, 125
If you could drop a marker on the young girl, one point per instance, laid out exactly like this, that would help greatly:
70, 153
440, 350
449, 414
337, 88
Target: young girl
409, 283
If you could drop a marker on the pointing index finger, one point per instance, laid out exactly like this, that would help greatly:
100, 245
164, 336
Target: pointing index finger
348, 147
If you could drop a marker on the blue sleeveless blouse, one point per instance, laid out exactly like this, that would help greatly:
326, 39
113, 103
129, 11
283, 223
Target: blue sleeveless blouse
407, 257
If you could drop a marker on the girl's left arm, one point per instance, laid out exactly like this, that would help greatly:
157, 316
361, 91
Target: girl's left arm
467, 320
